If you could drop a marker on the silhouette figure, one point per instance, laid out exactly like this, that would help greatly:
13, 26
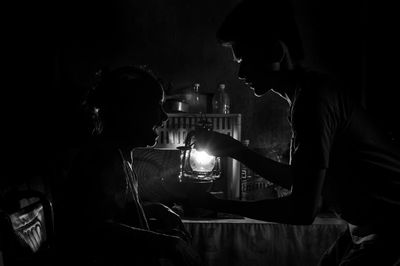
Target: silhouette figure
101, 220
338, 156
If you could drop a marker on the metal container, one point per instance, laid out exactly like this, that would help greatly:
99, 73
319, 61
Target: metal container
176, 106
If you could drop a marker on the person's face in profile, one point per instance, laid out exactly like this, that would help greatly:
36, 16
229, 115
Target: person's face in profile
140, 115
259, 64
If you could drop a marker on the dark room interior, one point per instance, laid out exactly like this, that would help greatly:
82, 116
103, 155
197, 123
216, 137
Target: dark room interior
53, 50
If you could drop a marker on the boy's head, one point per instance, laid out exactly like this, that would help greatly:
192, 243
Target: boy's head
264, 39
254, 24
128, 103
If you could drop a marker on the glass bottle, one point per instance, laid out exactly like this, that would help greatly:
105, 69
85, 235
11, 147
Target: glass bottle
194, 102
221, 101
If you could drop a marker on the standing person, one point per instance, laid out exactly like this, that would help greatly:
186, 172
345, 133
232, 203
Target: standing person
338, 155
101, 220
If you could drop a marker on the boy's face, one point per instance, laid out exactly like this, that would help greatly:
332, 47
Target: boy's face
259, 65
138, 120
149, 118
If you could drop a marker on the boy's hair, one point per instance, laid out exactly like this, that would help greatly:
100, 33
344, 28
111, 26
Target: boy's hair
126, 80
123, 83
262, 21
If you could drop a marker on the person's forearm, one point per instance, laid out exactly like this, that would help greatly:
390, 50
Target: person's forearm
276, 172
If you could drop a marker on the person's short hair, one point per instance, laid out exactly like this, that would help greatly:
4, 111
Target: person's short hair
120, 82
131, 83
262, 21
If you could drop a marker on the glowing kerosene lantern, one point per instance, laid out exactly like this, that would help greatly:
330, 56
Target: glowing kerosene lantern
197, 166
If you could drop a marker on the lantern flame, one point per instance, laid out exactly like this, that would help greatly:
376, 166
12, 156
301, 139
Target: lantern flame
201, 161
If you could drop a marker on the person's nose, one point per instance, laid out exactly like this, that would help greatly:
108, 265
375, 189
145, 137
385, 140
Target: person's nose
163, 116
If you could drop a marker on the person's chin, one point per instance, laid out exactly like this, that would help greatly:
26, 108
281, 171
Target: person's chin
260, 92
145, 143
256, 89
152, 143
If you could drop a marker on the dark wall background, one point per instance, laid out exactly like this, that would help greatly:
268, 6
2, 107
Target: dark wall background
53, 49
177, 40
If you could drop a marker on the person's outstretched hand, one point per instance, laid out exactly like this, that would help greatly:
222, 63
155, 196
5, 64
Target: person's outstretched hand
217, 144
